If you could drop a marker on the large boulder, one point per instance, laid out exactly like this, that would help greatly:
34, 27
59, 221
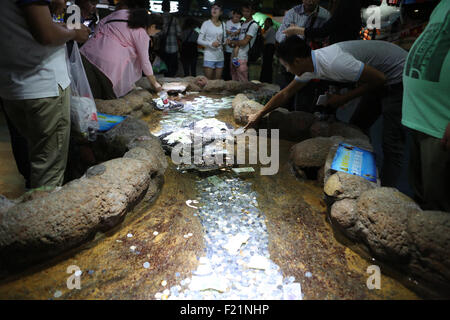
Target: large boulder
293, 126
312, 152
5, 203
336, 128
342, 185
344, 215
136, 100
398, 232
383, 222
233, 87
214, 86
119, 107
429, 233
244, 109
115, 141
36, 230
238, 100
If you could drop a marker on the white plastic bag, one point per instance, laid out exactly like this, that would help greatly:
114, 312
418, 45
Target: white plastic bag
83, 112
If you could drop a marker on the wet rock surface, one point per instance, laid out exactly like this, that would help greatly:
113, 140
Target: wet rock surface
429, 233
36, 230
242, 110
312, 152
398, 232
293, 126
5, 204
158, 249
383, 215
135, 101
342, 185
115, 142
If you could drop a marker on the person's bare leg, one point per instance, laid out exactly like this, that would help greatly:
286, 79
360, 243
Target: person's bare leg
218, 73
209, 73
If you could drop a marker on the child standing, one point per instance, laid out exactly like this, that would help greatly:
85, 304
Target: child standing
233, 29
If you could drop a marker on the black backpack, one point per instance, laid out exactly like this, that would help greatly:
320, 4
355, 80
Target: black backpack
255, 51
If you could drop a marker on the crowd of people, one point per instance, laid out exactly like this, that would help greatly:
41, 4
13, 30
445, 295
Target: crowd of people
409, 90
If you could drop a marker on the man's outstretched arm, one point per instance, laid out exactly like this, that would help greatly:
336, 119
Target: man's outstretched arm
277, 101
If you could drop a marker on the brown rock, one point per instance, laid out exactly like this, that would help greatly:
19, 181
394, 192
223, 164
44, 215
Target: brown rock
117, 139
344, 215
233, 87
45, 227
342, 185
293, 126
246, 108
382, 221
347, 131
320, 129
119, 107
147, 109
429, 233
214, 86
5, 203
238, 100
312, 152
157, 164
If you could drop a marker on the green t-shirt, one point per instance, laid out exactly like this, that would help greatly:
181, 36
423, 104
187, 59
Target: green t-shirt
426, 77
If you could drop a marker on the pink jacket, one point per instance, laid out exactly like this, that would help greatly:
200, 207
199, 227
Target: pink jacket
119, 52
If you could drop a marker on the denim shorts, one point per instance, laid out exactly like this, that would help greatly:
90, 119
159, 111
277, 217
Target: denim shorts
214, 64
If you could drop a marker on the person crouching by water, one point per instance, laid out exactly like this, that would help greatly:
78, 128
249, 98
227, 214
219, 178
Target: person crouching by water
117, 55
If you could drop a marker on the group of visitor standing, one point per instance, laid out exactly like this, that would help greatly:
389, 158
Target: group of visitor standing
227, 44
35, 82
408, 90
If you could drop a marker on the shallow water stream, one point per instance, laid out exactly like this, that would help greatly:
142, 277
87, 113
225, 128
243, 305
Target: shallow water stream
250, 237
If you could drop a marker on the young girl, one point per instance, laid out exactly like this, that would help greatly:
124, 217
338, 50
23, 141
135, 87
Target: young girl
233, 29
212, 37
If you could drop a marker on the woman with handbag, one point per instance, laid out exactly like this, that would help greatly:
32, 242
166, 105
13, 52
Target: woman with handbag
212, 37
117, 55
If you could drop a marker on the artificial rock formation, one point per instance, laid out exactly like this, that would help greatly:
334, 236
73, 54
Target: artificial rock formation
293, 126
312, 152
243, 107
394, 229
342, 185
45, 226
136, 103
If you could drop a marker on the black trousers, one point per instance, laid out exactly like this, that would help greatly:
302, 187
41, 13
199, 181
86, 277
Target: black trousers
267, 65
387, 103
226, 75
20, 150
190, 65
171, 60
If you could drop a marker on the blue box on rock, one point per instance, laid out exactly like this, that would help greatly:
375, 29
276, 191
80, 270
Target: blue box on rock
356, 161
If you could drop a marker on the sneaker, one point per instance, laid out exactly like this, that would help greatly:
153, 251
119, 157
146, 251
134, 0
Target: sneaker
236, 62
174, 106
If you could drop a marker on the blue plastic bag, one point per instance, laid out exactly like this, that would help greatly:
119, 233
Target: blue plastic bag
107, 121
